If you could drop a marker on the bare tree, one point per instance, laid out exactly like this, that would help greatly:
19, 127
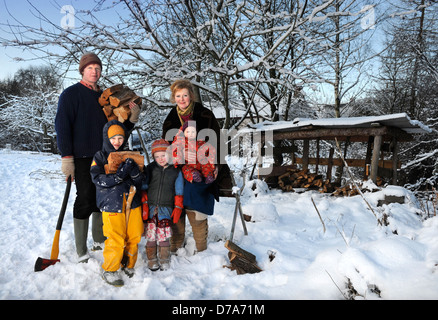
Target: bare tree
28, 111
247, 54
345, 28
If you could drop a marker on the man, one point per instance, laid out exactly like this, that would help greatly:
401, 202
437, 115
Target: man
79, 126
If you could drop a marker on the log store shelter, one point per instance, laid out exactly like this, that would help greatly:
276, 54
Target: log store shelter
380, 133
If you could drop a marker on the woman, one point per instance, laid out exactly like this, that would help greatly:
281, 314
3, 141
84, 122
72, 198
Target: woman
79, 125
198, 197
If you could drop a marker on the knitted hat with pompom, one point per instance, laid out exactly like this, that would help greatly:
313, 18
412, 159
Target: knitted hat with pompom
159, 145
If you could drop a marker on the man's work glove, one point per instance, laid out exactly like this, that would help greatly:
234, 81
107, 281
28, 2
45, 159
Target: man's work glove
135, 112
68, 167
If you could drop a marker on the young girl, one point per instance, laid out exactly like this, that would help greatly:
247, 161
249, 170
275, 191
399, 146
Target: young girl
197, 157
162, 203
121, 245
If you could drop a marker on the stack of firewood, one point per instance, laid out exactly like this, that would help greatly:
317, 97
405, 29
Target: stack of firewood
115, 102
350, 190
296, 178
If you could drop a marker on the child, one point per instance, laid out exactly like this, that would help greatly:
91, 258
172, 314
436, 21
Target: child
121, 245
162, 202
196, 155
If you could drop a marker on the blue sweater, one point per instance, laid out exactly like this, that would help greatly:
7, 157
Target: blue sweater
79, 122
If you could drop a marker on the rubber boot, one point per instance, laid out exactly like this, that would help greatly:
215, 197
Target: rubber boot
164, 247
80, 227
97, 231
151, 253
200, 230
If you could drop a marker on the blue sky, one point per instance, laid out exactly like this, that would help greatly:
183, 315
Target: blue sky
23, 11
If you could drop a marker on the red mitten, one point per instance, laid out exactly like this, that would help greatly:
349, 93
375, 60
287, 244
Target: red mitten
176, 213
145, 206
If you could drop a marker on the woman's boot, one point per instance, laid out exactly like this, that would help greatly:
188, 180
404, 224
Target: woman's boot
199, 228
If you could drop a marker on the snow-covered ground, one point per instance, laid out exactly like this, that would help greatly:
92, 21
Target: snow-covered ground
308, 263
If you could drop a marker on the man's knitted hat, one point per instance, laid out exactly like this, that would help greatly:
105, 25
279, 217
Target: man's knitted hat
115, 130
88, 58
159, 145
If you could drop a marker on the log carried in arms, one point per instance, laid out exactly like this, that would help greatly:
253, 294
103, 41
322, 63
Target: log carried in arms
116, 158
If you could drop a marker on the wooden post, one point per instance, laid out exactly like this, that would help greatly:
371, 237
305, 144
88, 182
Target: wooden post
340, 169
394, 160
368, 157
317, 156
305, 154
330, 164
375, 158
292, 155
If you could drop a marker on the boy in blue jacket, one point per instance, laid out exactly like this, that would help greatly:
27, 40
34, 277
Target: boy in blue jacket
121, 245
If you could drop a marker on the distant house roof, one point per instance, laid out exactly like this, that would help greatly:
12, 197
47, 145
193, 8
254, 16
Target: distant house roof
399, 120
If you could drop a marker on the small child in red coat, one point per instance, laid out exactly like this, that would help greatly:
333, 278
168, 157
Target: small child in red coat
196, 156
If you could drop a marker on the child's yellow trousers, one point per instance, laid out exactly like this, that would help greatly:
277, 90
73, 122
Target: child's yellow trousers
121, 240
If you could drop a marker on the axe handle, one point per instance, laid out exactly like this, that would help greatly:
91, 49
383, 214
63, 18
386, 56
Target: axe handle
131, 195
55, 246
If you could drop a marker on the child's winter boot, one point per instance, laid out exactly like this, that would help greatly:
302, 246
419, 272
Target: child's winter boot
164, 255
113, 278
151, 253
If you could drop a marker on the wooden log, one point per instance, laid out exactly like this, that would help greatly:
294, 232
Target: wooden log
243, 265
231, 246
241, 260
116, 158
136, 99
108, 110
121, 97
110, 91
122, 113
102, 101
